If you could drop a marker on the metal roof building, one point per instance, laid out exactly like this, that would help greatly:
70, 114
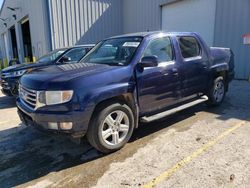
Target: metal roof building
29, 29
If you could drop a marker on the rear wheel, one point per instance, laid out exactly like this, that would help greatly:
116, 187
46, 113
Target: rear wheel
217, 92
111, 127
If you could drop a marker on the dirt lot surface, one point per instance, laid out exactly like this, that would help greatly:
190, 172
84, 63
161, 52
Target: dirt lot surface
198, 147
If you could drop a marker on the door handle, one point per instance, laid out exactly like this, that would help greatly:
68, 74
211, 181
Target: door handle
172, 71
204, 64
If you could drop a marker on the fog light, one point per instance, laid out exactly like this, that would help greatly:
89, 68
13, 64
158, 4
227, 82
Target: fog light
66, 125
53, 125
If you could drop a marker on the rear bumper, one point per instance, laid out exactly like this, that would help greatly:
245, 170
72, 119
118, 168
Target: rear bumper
40, 120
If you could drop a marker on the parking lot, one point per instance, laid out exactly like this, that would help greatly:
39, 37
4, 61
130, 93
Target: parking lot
198, 147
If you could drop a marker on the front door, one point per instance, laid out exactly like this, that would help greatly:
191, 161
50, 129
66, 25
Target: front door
159, 87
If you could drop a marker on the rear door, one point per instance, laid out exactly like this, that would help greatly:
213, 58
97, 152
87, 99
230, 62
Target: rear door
159, 87
194, 66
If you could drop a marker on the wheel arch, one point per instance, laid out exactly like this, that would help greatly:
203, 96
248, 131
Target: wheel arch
126, 98
218, 73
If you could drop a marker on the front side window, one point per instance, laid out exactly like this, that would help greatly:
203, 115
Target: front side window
189, 47
51, 56
75, 55
161, 48
116, 51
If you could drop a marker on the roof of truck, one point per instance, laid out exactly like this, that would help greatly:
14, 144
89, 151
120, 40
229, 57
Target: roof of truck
149, 33
77, 46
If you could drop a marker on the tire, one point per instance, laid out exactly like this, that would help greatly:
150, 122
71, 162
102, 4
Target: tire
7, 93
14, 92
111, 127
217, 92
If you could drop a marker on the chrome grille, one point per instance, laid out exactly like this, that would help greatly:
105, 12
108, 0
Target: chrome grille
29, 96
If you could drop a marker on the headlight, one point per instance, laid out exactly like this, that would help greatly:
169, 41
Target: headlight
18, 73
53, 97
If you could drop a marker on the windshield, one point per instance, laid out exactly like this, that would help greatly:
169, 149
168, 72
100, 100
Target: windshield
51, 56
117, 51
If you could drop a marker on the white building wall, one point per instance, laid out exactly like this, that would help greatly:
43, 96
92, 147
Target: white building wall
73, 22
191, 15
232, 22
220, 22
37, 13
142, 15
84, 21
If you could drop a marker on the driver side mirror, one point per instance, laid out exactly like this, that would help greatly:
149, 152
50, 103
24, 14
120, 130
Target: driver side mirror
64, 59
149, 61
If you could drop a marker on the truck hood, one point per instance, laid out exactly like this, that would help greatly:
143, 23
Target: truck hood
25, 66
57, 76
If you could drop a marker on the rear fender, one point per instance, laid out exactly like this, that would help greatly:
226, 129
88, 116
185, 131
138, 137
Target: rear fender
219, 67
219, 70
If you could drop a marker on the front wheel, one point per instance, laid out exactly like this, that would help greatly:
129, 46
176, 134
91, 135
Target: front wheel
217, 92
111, 127
14, 91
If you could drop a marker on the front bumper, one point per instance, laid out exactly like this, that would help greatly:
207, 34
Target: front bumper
10, 86
40, 120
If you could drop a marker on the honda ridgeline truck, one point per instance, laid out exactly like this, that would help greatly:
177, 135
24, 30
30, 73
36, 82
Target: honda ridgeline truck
122, 81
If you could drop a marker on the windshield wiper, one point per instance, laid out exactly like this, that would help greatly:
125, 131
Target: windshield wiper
114, 64
108, 63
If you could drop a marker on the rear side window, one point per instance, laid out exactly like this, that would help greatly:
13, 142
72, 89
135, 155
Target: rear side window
189, 47
161, 48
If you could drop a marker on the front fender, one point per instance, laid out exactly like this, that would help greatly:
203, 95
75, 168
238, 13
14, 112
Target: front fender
90, 100
103, 93
96, 95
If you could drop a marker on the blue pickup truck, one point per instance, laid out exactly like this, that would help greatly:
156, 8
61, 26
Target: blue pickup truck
122, 81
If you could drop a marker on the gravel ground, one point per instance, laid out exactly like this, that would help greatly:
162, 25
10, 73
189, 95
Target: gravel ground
29, 158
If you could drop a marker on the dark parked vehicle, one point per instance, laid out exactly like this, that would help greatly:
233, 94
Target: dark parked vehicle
124, 80
11, 75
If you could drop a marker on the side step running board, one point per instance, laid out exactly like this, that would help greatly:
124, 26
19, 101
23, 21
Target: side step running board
174, 110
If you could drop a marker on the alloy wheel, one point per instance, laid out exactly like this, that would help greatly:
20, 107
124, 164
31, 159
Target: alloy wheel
115, 128
219, 91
